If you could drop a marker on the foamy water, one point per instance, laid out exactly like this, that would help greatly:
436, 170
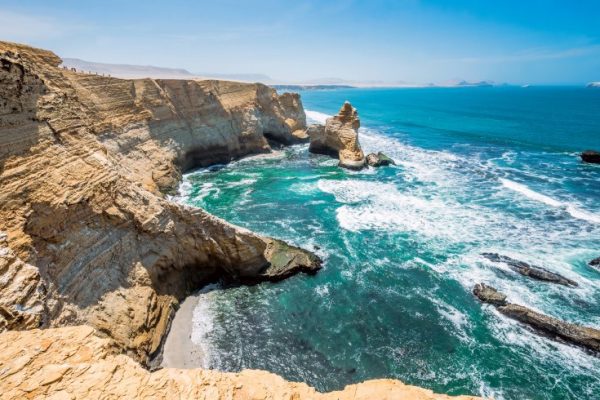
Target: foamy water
402, 248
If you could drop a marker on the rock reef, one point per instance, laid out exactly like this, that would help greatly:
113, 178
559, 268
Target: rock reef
588, 338
339, 138
91, 249
531, 271
379, 160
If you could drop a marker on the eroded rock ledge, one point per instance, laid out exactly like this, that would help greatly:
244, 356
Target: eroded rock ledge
74, 363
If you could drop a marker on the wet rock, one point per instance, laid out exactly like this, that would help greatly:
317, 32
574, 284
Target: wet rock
595, 262
379, 159
591, 156
579, 335
488, 294
531, 271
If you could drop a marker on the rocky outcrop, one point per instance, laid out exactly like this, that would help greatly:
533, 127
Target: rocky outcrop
531, 271
591, 156
595, 262
87, 235
339, 138
582, 336
75, 363
379, 160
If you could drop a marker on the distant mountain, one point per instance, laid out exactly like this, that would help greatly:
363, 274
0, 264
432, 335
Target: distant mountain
593, 85
126, 70
129, 71
293, 88
463, 83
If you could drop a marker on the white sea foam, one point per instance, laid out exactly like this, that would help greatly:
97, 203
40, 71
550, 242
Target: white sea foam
203, 324
316, 117
542, 198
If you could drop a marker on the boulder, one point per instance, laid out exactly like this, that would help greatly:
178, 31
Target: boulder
379, 159
591, 156
530, 271
595, 262
339, 138
579, 335
488, 294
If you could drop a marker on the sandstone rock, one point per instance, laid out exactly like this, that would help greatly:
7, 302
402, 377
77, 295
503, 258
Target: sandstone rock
582, 336
591, 156
84, 163
379, 159
339, 138
530, 271
75, 363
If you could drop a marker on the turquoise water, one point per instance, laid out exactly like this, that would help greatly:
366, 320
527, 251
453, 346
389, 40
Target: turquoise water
479, 170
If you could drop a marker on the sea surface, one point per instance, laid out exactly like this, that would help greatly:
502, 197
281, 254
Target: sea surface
478, 170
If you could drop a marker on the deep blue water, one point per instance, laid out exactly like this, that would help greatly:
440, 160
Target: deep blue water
479, 169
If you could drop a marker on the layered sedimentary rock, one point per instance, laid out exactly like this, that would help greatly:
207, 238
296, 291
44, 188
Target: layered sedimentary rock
87, 235
339, 138
73, 362
531, 271
582, 336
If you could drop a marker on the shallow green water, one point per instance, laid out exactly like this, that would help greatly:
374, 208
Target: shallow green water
478, 170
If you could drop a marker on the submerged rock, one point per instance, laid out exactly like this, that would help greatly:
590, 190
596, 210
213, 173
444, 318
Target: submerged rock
339, 138
591, 156
529, 270
595, 262
579, 335
379, 159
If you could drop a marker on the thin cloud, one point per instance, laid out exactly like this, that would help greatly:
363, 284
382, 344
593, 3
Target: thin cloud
25, 27
536, 54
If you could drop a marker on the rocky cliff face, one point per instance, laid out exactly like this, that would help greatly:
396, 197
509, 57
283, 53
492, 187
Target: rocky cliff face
339, 138
88, 240
87, 236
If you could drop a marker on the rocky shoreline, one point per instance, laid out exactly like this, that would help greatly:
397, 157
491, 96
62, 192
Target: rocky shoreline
93, 252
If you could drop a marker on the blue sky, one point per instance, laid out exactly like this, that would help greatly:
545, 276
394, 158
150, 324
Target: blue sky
526, 41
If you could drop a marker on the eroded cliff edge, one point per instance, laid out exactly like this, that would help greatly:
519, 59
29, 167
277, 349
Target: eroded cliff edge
87, 236
88, 240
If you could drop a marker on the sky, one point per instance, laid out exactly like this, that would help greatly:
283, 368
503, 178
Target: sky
419, 41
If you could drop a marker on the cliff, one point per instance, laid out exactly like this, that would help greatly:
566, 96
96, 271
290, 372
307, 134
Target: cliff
87, 237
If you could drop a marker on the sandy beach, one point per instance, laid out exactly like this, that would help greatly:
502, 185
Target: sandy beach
179, 350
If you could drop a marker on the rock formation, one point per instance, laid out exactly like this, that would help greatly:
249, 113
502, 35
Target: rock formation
529, 270
87, 235
74, 363
582, 336
89, 242
591, 156
379, 160
339, 138
595, 262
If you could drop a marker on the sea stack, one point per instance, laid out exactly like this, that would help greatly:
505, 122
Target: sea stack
339, 138
591, 156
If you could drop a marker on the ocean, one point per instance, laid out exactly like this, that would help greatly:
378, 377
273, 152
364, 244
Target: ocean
478, 170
